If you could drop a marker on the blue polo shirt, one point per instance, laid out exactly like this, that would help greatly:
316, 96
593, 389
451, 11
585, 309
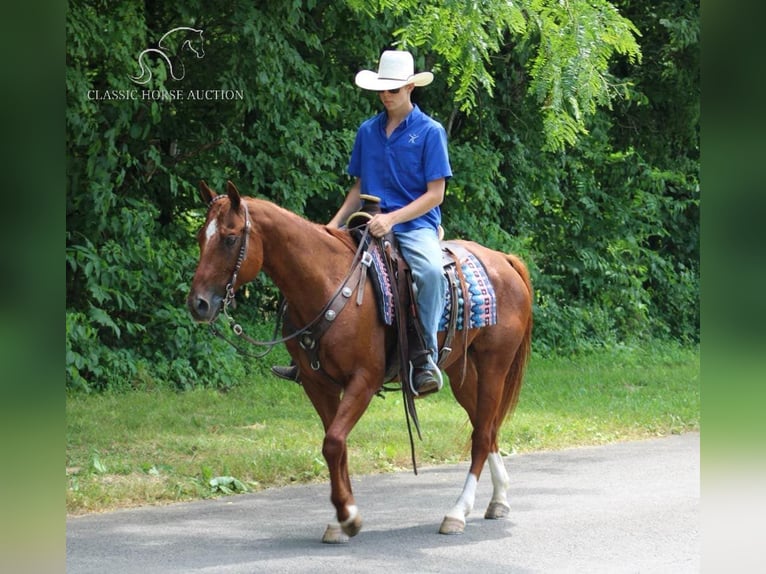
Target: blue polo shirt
398, 168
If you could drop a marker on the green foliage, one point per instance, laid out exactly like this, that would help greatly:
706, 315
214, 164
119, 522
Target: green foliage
574, 44
227, 485
565, 150
610, 227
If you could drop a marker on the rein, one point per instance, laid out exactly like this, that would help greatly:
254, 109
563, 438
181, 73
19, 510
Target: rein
229, 299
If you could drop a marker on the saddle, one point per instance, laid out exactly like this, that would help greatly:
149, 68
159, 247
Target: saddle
469, 302
395, 292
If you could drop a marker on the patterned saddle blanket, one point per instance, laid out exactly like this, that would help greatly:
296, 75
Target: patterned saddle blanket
477, 292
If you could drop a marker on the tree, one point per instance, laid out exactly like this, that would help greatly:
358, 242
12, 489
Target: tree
540, 100
572, 44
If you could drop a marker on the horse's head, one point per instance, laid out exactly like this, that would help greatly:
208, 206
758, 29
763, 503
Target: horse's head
229, 256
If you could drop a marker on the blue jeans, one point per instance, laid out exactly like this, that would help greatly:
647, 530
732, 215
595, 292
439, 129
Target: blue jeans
423, 253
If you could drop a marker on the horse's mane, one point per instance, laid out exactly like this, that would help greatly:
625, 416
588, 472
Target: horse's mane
343, 236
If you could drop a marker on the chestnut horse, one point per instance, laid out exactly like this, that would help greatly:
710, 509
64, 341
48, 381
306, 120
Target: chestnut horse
308, 262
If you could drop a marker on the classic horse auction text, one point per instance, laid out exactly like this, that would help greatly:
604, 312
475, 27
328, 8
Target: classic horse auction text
165, 95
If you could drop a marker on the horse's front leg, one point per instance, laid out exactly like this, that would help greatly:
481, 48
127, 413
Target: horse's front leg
326, 401
454, 520
355, 401
339, 532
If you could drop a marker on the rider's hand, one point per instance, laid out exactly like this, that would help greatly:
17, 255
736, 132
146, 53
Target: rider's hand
381, 224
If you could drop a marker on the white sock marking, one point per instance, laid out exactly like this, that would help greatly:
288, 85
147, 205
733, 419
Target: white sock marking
500, 480
352, 512
464, 504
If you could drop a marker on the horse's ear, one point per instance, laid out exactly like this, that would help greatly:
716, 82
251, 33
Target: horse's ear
206, 193
233, 193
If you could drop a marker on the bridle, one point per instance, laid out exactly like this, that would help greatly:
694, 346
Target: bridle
240, 257
326, 315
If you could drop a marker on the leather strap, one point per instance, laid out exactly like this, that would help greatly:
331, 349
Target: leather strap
309, 340
459, 252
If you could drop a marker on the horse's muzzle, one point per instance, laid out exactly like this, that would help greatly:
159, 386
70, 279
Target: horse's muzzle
204, 308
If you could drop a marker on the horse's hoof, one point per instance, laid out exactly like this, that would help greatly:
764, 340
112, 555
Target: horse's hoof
451, 526
334, 535
352, 526
497, 510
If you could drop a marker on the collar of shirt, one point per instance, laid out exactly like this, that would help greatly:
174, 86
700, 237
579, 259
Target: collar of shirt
414, 115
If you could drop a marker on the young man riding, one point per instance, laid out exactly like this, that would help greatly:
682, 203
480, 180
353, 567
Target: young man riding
400, 156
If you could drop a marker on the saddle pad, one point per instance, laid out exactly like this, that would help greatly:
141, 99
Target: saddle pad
481, 294
480, 297
381, 284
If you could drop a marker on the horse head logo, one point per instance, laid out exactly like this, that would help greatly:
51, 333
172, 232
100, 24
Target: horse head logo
169, 49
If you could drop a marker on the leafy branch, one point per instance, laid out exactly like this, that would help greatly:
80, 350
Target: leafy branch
574, 44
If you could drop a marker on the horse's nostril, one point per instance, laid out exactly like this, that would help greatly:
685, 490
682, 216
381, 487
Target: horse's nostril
202, 306
198, 307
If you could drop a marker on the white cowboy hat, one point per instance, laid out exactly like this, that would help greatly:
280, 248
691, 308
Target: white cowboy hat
396, 69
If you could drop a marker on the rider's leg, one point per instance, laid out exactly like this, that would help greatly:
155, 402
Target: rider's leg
422, 250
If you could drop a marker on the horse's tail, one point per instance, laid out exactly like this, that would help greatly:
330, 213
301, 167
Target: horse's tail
515, 377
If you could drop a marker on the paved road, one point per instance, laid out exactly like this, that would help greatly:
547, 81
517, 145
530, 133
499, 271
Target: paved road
629, 507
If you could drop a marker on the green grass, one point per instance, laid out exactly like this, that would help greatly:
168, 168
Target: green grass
159, 446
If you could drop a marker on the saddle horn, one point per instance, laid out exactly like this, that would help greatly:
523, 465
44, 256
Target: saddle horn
370, 207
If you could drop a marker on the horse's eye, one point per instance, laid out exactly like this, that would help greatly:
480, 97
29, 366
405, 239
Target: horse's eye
230, 240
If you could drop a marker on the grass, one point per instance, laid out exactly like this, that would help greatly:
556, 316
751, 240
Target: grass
160, 446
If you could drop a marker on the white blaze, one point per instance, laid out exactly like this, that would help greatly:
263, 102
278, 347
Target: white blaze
211, 230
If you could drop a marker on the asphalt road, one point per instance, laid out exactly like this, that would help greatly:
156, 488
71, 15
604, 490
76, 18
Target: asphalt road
628, 507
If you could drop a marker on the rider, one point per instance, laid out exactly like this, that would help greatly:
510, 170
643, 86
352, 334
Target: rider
400, 155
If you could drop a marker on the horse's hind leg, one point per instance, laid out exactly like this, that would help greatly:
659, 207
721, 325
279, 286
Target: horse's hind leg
454, 520
467, 395
480, 395
498, 505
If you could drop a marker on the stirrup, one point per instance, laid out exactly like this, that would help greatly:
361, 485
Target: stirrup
426, 386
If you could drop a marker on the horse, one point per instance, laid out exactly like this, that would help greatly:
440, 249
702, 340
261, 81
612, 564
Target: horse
186, 39
308, 262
